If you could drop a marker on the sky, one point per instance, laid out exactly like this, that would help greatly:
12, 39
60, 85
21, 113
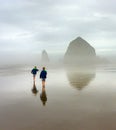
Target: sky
30, 26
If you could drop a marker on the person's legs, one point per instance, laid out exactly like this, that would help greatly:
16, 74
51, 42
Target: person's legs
34, 77
43, 82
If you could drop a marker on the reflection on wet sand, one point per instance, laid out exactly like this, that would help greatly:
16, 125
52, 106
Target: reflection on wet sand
34, 89
43, 96
81, 77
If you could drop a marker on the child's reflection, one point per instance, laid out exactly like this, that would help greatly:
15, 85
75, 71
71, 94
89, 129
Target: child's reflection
34, 89
43, 96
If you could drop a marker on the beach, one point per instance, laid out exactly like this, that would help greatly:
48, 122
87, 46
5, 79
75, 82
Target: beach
71, 100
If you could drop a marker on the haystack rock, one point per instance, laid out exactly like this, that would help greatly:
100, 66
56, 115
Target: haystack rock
80, 52
44, 57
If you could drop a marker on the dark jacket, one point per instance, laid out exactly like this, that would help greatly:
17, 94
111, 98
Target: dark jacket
43, 74
34, 71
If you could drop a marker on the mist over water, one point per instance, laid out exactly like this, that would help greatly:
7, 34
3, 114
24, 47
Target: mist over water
19, 59
14, 58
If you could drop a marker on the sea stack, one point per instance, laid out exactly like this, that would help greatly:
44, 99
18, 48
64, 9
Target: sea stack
44, 57
80, 52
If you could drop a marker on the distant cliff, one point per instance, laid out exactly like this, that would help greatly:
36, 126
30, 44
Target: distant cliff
44, 57
79, 51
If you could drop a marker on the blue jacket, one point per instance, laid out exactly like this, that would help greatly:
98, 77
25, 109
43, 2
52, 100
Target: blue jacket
43, 74
34, 71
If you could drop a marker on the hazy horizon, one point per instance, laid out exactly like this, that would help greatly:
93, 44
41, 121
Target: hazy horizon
35, 59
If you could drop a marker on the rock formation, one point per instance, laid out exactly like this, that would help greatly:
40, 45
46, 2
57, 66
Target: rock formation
44, 57
79, 51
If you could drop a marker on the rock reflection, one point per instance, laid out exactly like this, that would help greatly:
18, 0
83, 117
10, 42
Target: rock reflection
34, 89
81, 77
43, 96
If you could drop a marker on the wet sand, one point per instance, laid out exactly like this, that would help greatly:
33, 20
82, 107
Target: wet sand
71, 100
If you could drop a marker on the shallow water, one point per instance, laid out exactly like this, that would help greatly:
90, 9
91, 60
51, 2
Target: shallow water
72, 99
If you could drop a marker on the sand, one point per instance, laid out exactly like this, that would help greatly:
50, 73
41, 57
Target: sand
71, 100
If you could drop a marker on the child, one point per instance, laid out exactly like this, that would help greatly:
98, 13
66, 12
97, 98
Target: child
43, 76
34, 72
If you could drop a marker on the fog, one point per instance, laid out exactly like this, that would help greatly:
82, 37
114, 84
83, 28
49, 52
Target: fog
55, 58
18, 59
